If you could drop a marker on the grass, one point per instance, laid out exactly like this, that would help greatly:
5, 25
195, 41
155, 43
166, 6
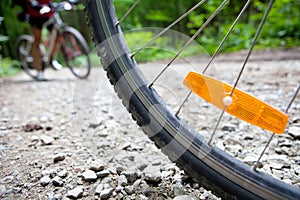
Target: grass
164, 47
9, 67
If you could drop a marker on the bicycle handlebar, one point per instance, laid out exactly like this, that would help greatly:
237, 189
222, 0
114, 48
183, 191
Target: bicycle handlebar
65, 5
43, 9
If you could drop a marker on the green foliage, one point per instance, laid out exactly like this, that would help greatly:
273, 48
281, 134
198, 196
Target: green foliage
162, 48
155, 51
282, 28
283, 25
11, 26
9, 67
151, 13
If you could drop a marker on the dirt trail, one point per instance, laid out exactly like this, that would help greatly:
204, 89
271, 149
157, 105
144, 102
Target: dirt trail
62, 127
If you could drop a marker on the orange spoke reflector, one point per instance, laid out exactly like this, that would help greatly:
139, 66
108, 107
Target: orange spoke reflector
241, 105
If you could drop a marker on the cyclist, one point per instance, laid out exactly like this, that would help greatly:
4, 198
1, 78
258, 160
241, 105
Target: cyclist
36, 20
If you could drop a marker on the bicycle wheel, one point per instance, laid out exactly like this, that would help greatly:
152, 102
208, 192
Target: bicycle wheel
75, 52
24, 45
213, 168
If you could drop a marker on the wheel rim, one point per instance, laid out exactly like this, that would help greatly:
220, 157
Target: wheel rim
76, 56
24, 49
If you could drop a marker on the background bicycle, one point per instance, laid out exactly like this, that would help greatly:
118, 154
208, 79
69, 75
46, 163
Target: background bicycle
74, 48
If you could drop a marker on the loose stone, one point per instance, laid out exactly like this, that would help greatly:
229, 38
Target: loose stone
99, 188
104, 194
45, 180
96, 166
46, 140
103, 173
75, 193
229, 127
122, 180
294, 131
185, 197
63, 173
130, 175
152, 174
57, 181
89, 175
129, 189
59, 157
2, 189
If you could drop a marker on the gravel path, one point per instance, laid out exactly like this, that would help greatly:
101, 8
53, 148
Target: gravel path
68, 139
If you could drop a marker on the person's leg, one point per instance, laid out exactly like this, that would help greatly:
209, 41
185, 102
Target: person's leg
55, 65
56, 46
35, 51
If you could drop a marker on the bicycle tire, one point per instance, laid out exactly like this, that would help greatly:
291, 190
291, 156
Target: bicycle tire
82, 70
24, 45
214, 169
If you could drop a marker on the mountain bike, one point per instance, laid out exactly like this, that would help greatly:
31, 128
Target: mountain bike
73, 46
181, 142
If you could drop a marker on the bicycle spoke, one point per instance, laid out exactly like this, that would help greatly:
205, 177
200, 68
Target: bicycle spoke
253, 43
227, 35
246, 60
217, 50
263, 152
270, 139
184, 101
217, 125
128, 12
168, 27
293, 98
190, 40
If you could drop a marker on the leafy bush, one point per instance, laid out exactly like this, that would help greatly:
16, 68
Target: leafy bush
162, 48
135, 40
9, 67
282, 28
